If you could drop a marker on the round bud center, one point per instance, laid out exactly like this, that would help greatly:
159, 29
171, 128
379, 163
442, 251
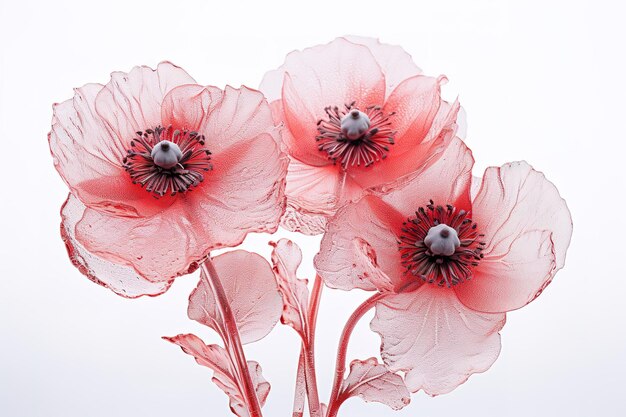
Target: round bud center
442, 240
354, 124
166, 154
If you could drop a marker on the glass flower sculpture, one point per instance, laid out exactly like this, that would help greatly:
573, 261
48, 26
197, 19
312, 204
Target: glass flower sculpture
348, 140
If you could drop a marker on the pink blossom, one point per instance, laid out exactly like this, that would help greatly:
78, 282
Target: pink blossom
451, 258
356, 114
163, 171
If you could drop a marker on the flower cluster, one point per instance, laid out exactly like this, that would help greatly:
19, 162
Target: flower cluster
348, 140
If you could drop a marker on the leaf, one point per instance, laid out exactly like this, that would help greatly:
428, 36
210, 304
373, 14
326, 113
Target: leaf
252, 293
373, 382
286, 258
217, 359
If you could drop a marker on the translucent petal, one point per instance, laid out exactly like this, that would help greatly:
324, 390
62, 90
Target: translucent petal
131, 102
335, 74
242, 114
118, 277
445, 181
396, 64
360, 240
314, 194
243, 194
296, 220
89, 158
313, 189
435, 339
527, 228
187, 106
411, 154
251, 290
92, 132
416, 102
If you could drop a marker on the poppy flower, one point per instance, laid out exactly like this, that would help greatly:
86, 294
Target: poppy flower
356, 114
162, 171
451, 255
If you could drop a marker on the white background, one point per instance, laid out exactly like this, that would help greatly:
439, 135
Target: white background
540, 81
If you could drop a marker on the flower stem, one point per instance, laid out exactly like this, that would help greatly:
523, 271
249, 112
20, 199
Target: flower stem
300, 393
342, 350
306, 381
309, 353
233, 341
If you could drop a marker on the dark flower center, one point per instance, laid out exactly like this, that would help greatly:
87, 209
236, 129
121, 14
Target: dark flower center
355, 137
167, 161
440, 245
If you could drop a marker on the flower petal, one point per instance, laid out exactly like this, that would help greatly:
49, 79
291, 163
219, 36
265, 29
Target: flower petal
132, 102
396, 64
435, 339
299, 150
313, 189
243, 194
159, 248
89, 158
335, 74
295, 220
527, 228
359, 241
240, 116
415, 102
445, 181
251, 290
118, 277
186, 106
400, 163
246, 189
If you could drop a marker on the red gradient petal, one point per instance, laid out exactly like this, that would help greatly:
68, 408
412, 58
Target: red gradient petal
359, 241
415, 102
527, 228
395, 63
89, 158
243, 194
131, 102
446, 181
118, 277
241, 115
335, 74
435, 339
187, 106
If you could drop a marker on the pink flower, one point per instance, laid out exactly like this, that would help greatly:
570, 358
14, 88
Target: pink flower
356, 114
161, 172
451, 256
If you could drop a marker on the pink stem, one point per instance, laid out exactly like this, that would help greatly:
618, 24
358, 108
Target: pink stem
340, 366
233, 341
306, 366
309, 352
300, 394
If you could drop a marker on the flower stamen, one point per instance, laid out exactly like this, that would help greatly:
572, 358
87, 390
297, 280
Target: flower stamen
440, 245
355, 137
167, 160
